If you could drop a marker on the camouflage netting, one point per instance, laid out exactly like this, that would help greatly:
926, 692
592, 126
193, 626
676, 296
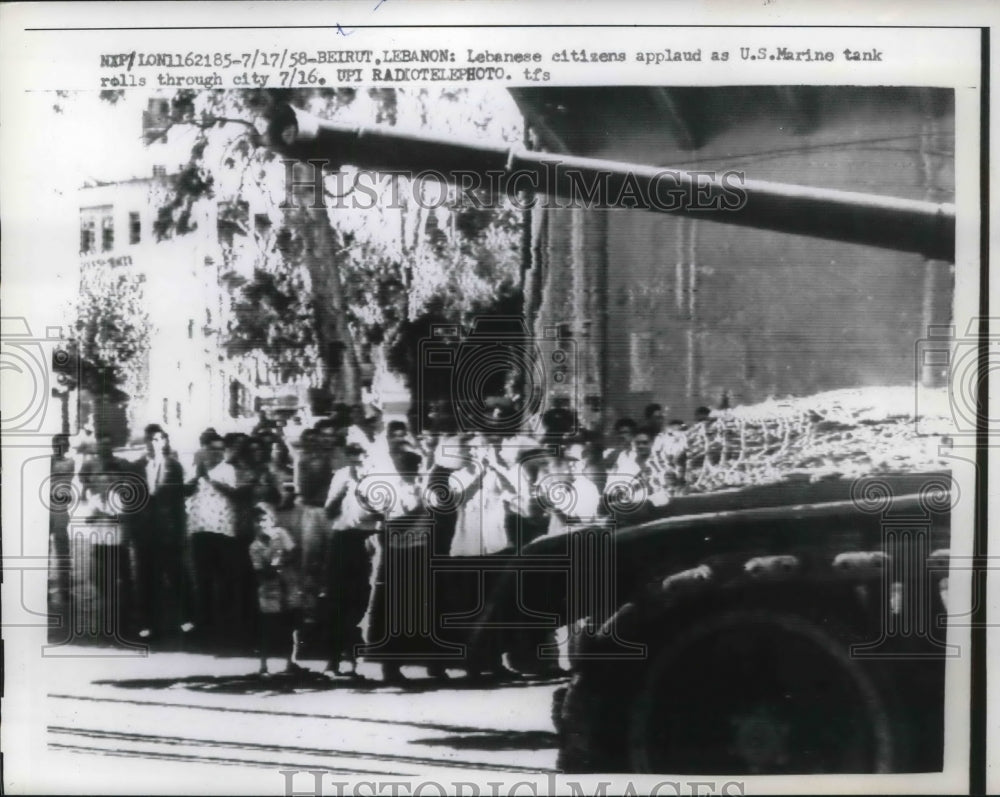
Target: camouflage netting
842, 433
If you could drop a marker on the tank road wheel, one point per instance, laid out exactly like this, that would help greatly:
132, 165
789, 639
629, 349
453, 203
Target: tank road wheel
759, 691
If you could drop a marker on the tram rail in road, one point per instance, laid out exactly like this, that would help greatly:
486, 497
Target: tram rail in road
342, 729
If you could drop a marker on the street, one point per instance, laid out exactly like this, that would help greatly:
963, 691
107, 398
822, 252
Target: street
172, 717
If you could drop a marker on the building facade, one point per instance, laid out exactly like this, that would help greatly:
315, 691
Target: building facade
190, 380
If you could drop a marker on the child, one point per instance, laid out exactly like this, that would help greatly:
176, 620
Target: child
279, 595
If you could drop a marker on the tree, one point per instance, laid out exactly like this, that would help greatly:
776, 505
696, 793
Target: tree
331, 286
107, 352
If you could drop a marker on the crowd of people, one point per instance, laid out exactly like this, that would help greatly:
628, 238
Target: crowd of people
276, 539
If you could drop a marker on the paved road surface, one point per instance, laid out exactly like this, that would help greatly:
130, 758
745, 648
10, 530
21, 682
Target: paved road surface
156, 723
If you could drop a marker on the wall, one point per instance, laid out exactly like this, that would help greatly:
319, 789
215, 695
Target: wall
696, 309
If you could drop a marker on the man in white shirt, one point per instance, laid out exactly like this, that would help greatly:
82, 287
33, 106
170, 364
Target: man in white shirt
229, 481
342, 502
632, 479
619, 456
378, 450
357, 432
583, 499
346, 563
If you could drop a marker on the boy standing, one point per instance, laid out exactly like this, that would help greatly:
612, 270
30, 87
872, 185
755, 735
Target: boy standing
279, 592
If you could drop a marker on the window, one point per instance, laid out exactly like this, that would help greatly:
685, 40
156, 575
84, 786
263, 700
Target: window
88, 239
107, 233
91, 220
234, 399
134, 228
190, 329
160, 171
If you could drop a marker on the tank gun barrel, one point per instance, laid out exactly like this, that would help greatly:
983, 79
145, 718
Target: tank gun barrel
926, 228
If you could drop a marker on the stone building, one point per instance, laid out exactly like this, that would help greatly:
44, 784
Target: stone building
687, 312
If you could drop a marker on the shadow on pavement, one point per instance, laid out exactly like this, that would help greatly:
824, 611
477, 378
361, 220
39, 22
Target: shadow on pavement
252, 683
313, 681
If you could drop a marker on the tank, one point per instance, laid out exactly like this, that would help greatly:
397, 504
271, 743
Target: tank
786, 628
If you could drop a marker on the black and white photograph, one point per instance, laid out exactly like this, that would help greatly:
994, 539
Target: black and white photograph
492, 410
